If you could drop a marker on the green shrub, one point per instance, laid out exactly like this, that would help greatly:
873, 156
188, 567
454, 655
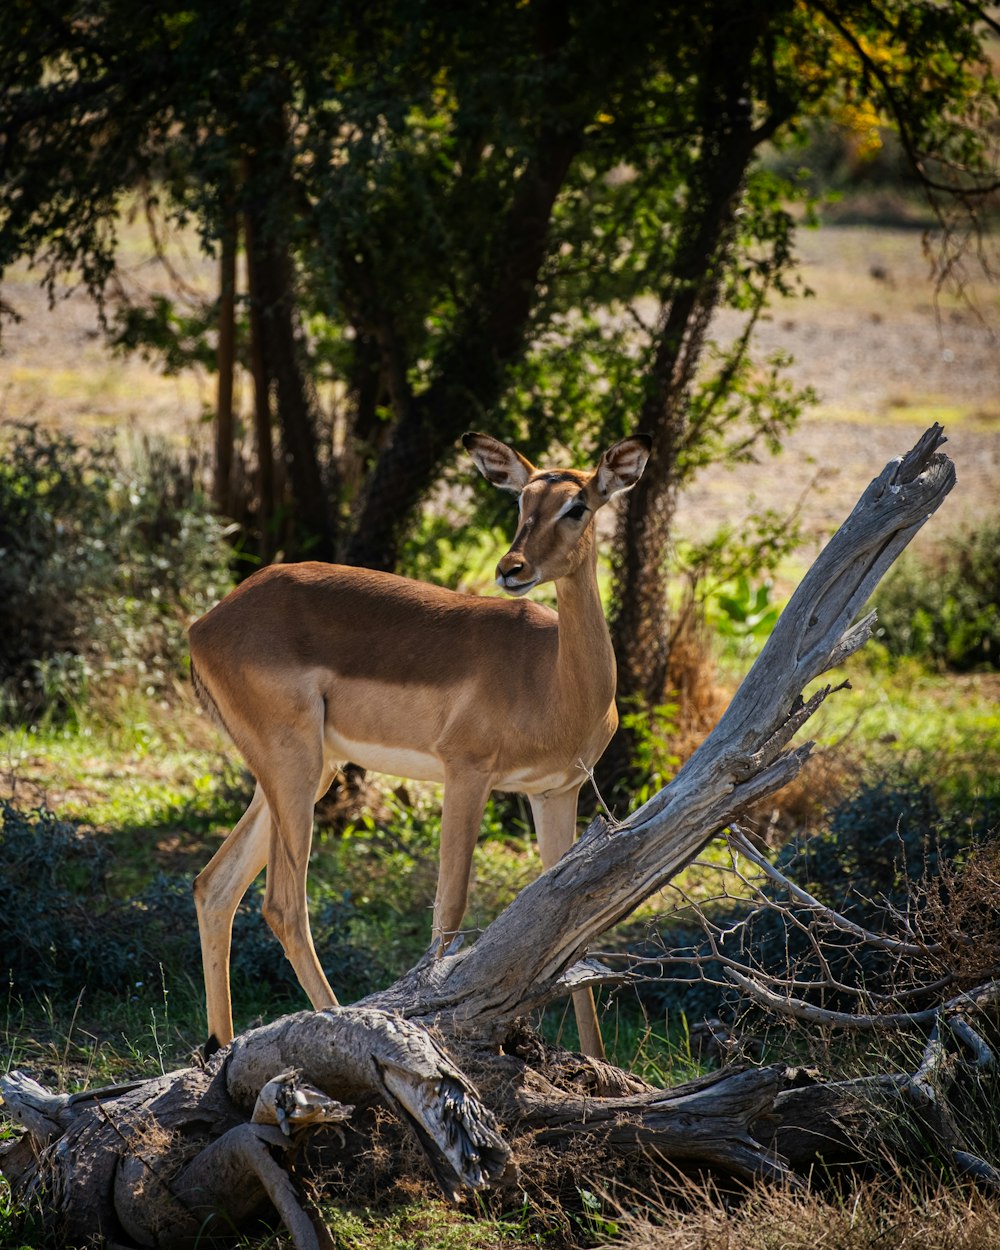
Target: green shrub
102, 565
54, 564
63, 929
944, 607
53, 905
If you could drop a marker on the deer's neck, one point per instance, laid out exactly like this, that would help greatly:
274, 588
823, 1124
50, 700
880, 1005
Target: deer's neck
586, 663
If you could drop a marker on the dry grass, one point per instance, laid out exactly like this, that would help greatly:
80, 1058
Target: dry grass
874, 1216
692, 680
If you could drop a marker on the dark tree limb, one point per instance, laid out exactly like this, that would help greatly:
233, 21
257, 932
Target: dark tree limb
705, 1122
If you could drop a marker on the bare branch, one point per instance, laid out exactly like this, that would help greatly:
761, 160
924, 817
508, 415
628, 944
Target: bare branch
983, 1056
738, 839
787, 1006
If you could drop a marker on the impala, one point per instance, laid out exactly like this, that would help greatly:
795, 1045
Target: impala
307, 666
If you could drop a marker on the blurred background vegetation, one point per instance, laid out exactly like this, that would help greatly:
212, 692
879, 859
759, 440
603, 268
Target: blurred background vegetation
556, 223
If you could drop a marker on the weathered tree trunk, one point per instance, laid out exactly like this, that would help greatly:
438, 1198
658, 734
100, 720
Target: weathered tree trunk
531, 951
148, 1165
169, 1161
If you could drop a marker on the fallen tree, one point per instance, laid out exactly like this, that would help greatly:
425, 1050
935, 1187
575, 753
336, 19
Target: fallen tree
202, 1152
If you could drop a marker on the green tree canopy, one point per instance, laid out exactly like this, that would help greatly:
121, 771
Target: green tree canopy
518, 216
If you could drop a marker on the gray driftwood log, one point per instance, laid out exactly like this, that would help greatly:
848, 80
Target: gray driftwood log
205, 1150
534, 950
198, 1153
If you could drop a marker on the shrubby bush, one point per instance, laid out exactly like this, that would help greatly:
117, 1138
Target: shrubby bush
944, 606
52, 893
63, 930
878, 842
65, 926
102, 565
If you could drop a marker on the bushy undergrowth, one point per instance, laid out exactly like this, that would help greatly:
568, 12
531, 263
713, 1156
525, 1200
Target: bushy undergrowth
944, 606
102, 565
65, 930
882, 839
66, 926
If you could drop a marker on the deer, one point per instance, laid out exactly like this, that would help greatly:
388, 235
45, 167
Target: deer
307, 666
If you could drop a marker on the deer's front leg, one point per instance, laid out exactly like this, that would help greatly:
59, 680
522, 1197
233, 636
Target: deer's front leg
555, 827
465, 795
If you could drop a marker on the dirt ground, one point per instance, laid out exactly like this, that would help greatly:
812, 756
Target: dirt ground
884, 355
826, 464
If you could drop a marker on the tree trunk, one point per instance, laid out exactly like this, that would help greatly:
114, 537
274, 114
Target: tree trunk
263, 434
150, 1164
270, 264
640, 626
226, 361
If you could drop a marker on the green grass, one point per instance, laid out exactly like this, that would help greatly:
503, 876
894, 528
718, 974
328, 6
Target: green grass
422, 1224
922, 410
907, 719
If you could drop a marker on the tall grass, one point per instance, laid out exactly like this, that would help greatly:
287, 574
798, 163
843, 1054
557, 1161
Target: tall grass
893, 1214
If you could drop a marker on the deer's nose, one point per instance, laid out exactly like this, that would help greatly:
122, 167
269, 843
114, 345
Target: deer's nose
509, 567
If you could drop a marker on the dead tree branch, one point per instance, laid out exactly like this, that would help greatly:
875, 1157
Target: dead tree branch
527, 956
160, 1162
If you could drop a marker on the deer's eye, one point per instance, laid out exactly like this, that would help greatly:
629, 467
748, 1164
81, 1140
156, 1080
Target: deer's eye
577, 512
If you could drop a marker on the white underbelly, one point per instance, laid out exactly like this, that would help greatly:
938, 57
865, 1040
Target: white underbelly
422, 766
395, 761
536, 781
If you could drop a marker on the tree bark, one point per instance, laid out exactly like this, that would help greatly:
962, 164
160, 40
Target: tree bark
149, 1164
226, 362
641, 613
269, 261
263, 433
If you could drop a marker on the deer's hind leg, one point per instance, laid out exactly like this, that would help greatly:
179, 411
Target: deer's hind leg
218, 889
294, 775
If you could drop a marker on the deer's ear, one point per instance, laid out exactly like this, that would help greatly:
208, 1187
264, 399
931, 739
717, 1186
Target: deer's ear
498, 463
621, 466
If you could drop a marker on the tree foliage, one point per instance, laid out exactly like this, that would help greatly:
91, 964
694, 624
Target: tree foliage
519, 215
